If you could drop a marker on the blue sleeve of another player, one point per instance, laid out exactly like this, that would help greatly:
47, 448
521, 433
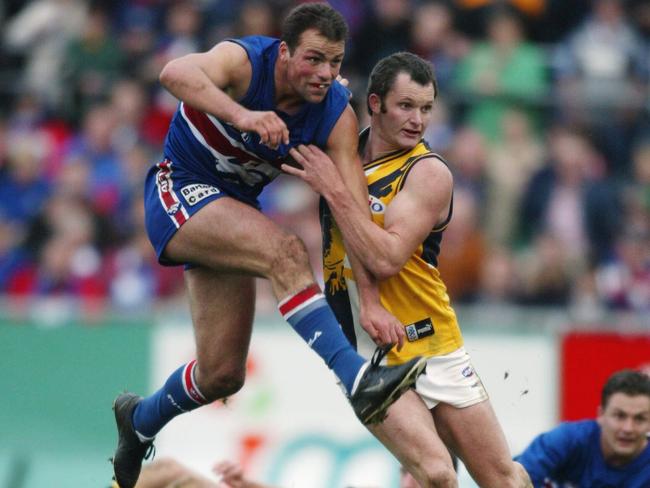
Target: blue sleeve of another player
255, 47
337, 100
549, 454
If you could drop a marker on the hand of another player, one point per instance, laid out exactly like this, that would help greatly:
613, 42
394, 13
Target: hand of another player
232, 475
318, 170
343, 81
271, 129
382, 326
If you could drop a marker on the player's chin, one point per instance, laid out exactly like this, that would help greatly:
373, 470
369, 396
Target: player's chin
314, 98
407, 141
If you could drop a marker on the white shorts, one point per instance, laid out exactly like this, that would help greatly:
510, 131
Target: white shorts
451, 379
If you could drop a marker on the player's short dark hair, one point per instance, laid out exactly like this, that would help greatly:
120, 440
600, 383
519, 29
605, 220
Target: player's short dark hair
386, 70
627, 381
320, 16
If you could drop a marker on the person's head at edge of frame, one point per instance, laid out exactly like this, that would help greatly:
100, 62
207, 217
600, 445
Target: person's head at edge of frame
624, 416
311, 49
400, 95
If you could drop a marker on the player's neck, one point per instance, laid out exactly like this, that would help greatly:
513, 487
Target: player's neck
616, 460
377, 147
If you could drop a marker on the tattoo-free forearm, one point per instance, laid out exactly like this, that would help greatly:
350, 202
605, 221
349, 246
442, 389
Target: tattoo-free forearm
364, 240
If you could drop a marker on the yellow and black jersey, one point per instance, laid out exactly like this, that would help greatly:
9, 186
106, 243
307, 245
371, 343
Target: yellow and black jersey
416, 295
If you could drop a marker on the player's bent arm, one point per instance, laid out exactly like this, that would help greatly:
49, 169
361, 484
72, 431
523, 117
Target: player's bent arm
422, 203
342, 149
212, 81
202, 79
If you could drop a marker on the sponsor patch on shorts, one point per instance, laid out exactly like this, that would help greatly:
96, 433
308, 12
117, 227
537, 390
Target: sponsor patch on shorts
193, 194
419, 329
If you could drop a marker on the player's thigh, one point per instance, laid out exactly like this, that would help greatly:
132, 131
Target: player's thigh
228, 235
222, 307
475, 435
410, 434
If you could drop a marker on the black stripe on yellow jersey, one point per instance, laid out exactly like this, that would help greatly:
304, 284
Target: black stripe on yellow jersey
417, 295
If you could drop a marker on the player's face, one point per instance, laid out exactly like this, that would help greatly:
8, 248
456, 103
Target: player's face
624, 422
404, 114
314, 65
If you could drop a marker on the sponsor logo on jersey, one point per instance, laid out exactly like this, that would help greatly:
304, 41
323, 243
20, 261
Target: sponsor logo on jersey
193, 194
419, 329
376, 205
173, 208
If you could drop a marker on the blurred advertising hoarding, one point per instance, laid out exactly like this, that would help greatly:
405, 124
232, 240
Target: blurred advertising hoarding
291, 425
588, 359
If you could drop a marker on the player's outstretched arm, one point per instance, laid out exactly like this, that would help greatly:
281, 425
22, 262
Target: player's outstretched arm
213, 80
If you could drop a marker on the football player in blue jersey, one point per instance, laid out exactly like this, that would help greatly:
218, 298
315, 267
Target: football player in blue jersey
611, 451
244, 104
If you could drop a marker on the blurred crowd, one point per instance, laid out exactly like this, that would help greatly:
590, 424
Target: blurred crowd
543, 115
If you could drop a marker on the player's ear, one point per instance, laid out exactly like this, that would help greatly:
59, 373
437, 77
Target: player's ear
374, 102
284, 51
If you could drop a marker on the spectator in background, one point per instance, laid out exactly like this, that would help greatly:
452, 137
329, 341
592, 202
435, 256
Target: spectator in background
471, 13
546, 271
571, 200
611, 450
464, 250
433, 39
623, 281
92, 64
602, 73
469, 153
501, 73
385, 30
137, 37
24, 188
96, 145
65, 260
13, 257
602, 61
499, 280
510, 165
637, 191
256, 18
40, 32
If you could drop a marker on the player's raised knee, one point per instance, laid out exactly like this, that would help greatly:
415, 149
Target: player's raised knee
290, 256
222, 383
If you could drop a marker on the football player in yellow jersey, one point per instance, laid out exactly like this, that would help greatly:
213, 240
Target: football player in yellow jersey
410, 195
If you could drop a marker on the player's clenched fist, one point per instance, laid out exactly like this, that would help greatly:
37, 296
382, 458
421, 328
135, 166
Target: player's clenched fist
271, 129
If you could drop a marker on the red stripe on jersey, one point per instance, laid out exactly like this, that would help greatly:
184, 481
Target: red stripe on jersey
167, 195
190, 387
298, 299
213, 136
